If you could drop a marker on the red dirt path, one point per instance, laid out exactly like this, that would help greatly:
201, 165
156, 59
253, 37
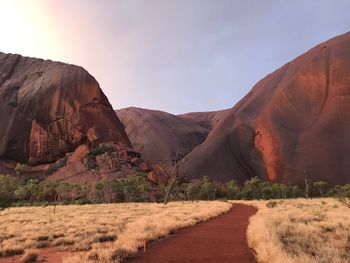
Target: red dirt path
220, 240
49, 255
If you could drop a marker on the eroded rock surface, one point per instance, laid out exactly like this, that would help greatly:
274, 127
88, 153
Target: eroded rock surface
295, 122
50, 108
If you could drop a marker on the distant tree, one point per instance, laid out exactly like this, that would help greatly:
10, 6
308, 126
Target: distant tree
251, 188
233, 191
22, 193
9, 183
320, 187
192, 191
6, 199
266, 190
177, 162
296, 191
306, 182
48, 191
118, 190
340, 191
19, 169
207, 189
104, 191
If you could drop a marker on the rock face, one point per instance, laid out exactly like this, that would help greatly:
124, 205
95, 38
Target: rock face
293, 123
49, 108
159, 136
206, 119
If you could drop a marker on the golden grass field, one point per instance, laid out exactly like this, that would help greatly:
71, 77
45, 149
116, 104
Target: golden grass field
300, 231
102, 233
294, 231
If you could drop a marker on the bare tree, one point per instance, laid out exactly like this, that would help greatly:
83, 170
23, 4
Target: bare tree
306, 185
177, 162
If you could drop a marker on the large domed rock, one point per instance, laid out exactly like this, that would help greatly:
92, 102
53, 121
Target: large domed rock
293, 123
50, 108
160, 136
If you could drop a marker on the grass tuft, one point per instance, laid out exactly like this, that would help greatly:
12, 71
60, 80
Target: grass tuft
29, 257
9, 252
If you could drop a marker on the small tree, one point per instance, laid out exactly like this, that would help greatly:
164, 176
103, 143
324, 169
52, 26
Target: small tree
306, 185
233, 191
320, 187
296, 191
5, 200
177, 162
207, 190
22, 193
192, 191
251, 188
19, 169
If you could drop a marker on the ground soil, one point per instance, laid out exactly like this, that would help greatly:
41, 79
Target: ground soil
50, 254
222, 239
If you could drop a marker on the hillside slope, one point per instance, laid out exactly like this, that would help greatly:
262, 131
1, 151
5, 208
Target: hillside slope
295, 122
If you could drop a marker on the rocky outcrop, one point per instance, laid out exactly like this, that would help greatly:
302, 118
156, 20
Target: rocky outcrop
293, 123
50, 108
160, 136
105, 162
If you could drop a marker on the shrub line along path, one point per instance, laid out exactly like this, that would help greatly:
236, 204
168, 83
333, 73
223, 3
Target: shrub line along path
222, 239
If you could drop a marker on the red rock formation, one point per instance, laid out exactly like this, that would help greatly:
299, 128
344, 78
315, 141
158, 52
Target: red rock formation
78, 154
158, 135
206, 119
294, 122
49, 108
116, 162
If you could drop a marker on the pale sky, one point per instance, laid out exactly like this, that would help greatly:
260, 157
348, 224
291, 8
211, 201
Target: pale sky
172, 55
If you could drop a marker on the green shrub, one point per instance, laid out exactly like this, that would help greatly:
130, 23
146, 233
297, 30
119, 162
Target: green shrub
100, 150
104, 238
192, 191
6, 199
55, 166
82, 202
233, 191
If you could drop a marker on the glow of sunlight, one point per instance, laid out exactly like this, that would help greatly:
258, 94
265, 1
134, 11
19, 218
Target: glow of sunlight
27, 29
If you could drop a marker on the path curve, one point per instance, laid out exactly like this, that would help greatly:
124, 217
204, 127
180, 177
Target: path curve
222, 239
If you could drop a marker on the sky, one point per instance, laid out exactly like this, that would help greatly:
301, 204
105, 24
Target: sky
172, 55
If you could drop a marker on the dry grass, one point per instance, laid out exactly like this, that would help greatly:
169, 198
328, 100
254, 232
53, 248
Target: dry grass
29, 257
106, 233
300, 231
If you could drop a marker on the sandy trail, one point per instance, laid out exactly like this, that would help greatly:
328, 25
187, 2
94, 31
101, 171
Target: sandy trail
50, 254
222, 239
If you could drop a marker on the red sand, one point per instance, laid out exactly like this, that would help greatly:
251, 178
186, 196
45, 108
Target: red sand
49, 254
219, 240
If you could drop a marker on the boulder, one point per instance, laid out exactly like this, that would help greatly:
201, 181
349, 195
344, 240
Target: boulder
78, 154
